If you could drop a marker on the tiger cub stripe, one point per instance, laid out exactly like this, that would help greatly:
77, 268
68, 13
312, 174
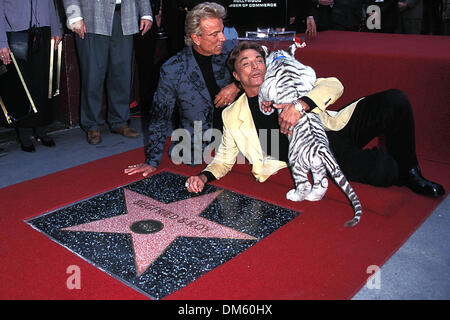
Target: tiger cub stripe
286, 80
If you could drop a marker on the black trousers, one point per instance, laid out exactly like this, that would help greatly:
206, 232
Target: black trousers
105, 60
386, 114
35, 70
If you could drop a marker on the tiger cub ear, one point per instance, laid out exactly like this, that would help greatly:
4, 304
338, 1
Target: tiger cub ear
292, 49
266, 50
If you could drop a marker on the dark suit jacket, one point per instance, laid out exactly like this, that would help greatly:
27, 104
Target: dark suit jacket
343, 15
300, 10
389, 14
181, 85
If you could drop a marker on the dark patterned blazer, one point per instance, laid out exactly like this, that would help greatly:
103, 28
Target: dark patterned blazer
181, 85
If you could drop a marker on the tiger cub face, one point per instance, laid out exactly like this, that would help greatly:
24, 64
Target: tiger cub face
286, 79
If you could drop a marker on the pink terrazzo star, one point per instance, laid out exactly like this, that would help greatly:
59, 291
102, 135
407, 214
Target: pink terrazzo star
154, 225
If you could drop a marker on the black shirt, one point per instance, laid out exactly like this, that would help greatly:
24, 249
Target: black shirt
268, 129
205, 64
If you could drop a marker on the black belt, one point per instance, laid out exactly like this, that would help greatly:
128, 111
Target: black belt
117, 7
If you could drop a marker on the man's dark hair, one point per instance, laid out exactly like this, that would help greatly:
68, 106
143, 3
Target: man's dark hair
244, 45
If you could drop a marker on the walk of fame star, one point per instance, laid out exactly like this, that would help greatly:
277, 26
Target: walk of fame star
155, 236
154, 225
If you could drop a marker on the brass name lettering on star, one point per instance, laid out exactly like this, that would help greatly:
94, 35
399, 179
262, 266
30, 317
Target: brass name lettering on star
172, 216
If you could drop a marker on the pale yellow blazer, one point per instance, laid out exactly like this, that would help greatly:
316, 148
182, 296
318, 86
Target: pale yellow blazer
239, 131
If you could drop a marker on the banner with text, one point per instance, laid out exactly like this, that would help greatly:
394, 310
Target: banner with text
257, 13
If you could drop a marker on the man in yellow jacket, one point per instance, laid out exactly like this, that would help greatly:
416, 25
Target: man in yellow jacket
349, 130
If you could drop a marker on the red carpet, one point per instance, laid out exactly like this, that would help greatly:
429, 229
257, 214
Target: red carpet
312, 257
366, 63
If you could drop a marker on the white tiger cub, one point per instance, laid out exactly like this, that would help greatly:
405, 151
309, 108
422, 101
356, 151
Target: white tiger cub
287, 80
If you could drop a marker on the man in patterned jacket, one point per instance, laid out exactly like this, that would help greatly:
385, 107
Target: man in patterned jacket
191, 81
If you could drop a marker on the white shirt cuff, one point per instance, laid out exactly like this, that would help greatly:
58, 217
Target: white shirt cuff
73, 20
147, 18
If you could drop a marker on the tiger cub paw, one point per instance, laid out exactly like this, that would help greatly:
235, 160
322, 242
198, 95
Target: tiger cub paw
266, 107
294, 195
316, 194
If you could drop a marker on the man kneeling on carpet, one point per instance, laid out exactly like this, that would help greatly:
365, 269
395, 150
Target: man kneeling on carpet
196, 82
388, 113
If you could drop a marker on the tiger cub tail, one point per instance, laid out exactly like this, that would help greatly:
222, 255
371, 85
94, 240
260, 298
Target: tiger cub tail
342, 182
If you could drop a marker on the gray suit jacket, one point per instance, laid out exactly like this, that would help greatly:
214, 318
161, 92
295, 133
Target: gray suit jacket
98, 14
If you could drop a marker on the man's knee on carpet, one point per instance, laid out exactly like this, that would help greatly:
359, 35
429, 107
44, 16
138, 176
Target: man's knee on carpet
373, 166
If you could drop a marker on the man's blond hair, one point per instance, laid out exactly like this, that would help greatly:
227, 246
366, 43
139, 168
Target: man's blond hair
205, 10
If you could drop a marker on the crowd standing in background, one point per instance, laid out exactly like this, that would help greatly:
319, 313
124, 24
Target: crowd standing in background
429, 17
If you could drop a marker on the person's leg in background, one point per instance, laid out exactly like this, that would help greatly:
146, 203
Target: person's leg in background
93, 60
118, 81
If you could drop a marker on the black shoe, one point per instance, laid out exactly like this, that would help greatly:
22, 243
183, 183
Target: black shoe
24, 138
25, 141
417, 183
46, 141
28, 148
